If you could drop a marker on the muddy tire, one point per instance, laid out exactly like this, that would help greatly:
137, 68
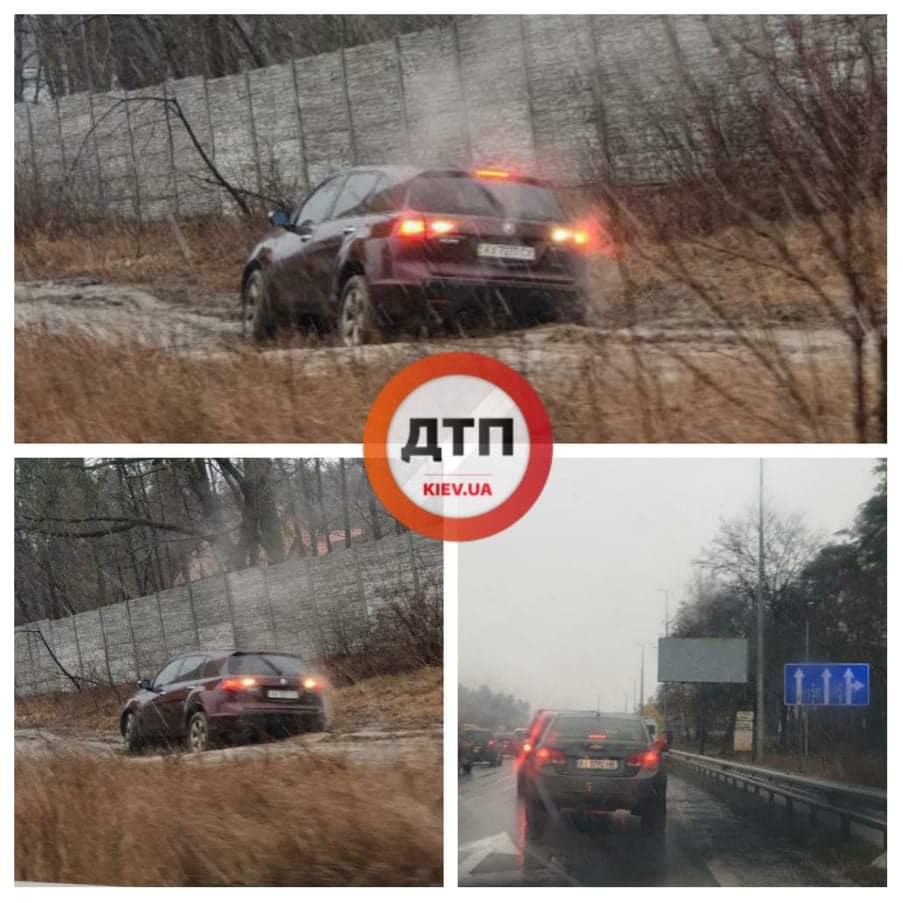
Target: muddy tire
131, 734
198, 735
358, 321
251, 298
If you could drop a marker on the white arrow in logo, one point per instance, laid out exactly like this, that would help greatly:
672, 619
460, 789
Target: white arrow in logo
798, 676
826, 684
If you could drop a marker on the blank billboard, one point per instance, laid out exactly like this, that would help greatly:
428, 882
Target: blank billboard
716, 661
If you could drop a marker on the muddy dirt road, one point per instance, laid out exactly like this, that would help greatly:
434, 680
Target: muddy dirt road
195, 322
367, 745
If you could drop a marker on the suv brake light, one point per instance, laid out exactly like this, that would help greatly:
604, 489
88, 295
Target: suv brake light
563, 235
648, 759
491, 174
418, 227
238, 683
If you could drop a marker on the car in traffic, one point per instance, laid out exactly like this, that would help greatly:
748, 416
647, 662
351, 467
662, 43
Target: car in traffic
592, 762
202, 698
516, 740
465, 754
528, 747
503, 741
376, 249
484, 749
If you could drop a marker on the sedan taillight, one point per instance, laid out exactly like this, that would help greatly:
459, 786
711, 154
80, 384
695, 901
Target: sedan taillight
648, 759
546, 755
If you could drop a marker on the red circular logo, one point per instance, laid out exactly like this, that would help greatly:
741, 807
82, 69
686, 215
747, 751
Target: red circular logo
458, 446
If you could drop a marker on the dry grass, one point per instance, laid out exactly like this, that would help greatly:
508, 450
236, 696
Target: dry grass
79, 390
406, 700
73, 389
118, 252
290, 821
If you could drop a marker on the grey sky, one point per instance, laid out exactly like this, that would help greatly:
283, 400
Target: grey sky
551, 609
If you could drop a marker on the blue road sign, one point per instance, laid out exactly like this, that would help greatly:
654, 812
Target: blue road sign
826, 683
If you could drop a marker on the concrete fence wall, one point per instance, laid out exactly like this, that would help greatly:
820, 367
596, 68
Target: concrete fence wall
555, 94
284, 606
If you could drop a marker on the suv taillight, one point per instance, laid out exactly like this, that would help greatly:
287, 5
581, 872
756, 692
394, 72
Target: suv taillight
547, 755
238, 683
648, 759
419, 227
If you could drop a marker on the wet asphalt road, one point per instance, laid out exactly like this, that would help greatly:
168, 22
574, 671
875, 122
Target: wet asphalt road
705, 844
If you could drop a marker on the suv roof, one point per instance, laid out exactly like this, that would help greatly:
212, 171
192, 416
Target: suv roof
403, 172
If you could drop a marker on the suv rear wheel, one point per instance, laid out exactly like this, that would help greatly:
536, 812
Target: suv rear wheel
358, 323
251, 296
198, 733
131, 733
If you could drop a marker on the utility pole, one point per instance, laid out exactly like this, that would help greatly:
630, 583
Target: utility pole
760, 624
664, 685
642, 674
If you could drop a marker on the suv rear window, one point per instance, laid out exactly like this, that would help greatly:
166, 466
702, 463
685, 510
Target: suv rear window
257, 663
631, 729
479, 736
484, 197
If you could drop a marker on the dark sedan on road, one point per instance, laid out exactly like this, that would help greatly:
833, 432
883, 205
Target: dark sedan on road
592, 762
484, 747
377, 248
202, 697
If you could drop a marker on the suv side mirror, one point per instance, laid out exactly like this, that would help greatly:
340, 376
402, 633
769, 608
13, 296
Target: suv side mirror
280, 218
145, 684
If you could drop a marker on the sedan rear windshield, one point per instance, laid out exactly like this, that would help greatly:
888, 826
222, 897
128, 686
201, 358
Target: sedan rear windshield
582, 726
266, 663
460, 195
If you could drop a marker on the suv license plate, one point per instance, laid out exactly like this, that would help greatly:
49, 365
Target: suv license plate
506, 252
600, 764
282, 694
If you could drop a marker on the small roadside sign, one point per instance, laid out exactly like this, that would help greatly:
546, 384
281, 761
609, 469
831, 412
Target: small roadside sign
743, 732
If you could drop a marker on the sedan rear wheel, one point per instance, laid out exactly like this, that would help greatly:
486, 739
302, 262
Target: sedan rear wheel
198, 733
357, 319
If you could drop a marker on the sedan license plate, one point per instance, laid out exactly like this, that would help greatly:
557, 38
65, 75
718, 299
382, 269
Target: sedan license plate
506, 252
599, 764
282, 694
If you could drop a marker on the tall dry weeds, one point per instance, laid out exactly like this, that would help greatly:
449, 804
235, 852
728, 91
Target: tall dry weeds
293, 821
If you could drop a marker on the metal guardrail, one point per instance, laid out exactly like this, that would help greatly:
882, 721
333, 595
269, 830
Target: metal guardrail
849, 803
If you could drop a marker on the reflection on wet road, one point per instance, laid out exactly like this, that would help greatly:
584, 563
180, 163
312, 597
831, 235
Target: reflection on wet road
705, 843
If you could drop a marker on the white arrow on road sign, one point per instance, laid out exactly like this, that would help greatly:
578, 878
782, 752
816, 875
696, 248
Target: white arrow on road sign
798, 676
852, 685
826, 684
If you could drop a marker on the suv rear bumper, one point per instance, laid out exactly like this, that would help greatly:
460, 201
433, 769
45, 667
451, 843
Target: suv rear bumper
446, 298
260, 716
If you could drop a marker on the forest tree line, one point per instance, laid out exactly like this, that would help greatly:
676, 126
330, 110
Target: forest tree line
57, 55
89, 533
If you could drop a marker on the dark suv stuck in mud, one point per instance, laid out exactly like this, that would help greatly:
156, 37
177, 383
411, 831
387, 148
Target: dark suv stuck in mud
203, 697
376, 249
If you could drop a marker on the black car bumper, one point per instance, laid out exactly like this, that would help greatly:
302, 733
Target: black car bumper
595, 793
